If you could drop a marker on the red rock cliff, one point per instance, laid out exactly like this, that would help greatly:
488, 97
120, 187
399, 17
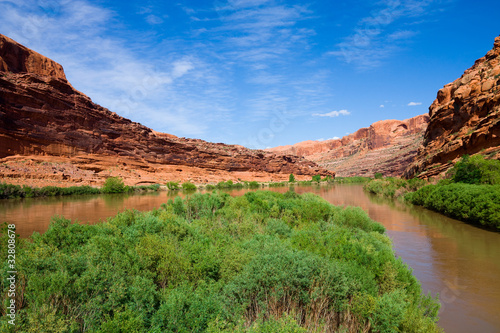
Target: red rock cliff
464, 119
42, 114
387, 146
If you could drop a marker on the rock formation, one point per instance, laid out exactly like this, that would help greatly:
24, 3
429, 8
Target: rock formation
464, 119
41, 114
387, 146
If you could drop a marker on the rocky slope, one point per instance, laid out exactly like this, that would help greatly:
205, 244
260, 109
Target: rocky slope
464, 119
44, 118
387, 146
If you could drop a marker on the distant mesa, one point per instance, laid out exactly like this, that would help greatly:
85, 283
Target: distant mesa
386, 146
44, 118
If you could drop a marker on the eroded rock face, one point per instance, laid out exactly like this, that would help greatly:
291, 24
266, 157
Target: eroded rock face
42, 114
464, 119
387, 146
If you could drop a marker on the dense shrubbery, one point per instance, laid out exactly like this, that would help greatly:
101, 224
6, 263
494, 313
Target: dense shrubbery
469, 194
349, 180
187, 186
476, 170
479, 204
8, 191
393, 187
173, 186
113, 185
262, 262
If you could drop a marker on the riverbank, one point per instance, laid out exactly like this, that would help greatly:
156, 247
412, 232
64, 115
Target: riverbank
471, 193
90, 170
304, 262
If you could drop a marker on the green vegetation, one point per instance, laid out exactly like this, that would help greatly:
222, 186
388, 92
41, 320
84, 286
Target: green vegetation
173, 186
391, 187
291, 178
113, 185
476, 204
378, 175
262, 262
8, 191
476, 170
279, 184
470, 194
316, 178
187, 186
351, 180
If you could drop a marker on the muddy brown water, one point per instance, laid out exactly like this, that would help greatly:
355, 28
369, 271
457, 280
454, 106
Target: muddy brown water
456, 260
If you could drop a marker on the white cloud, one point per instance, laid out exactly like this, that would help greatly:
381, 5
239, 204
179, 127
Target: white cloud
168, 91
414, 103
333, 138
372, 41
154, 20
382, 106
332, 114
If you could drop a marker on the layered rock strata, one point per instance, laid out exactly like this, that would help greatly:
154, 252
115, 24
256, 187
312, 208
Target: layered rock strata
41, 114
386, 146
464, 119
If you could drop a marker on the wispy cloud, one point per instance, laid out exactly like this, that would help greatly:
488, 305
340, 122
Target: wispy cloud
334, 138
332, 114
374, 39
414, 103
382, 106
169, 92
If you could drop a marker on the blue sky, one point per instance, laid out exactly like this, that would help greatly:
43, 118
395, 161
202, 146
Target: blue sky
260, 73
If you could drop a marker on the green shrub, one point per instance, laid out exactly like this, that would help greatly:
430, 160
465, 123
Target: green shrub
113, 185
476, 170
173, 186
477, 204
261, 262
316, 178
291, 178
187, 186
378, 175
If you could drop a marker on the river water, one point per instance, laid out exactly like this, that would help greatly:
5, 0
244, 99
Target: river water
456, 260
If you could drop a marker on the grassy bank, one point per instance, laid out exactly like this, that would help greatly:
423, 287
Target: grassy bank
476, 204
262, 262
470, 193
9, 191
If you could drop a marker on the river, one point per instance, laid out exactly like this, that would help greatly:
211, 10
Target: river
454, 259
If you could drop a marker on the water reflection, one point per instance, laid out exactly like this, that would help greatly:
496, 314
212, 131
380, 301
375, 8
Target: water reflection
456, 260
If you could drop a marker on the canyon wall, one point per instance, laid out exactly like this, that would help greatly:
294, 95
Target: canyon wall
41, 114
464, 119
386, 146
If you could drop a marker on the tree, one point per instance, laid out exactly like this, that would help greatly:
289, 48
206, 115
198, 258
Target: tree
316, 178
291, 178
113, 185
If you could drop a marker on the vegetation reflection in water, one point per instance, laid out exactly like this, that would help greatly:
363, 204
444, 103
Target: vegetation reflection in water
263, 261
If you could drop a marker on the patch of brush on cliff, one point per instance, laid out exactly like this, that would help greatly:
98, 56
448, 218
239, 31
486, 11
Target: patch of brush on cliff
464, 119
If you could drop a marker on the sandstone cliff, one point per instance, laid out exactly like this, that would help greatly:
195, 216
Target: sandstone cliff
387, 146
41, 114
464, 119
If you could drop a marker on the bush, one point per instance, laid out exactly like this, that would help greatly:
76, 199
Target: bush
172, 186
113, 185
261, 262
316, 178
291, 178
187, 186
477, 204
476, 170
378, 175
